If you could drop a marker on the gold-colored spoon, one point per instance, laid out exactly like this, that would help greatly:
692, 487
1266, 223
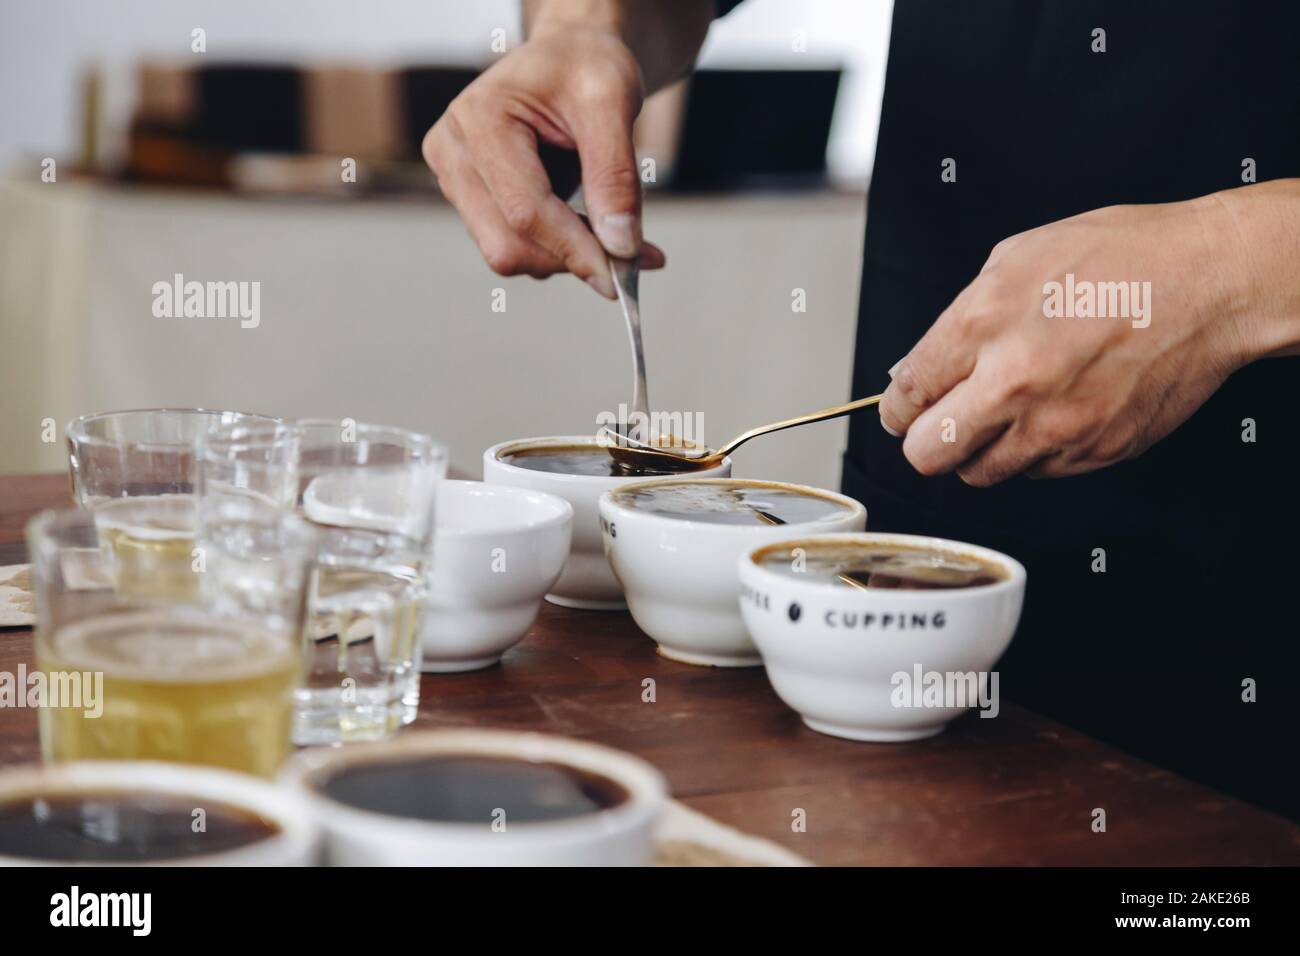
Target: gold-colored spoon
634, 454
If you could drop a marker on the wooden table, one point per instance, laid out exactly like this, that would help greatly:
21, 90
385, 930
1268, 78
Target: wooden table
1015, 790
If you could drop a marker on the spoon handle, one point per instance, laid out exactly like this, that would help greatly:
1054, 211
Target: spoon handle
834, 411
626, 273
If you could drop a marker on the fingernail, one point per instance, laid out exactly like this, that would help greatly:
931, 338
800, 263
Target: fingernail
892, 369
889, 430
618, 233
604, 285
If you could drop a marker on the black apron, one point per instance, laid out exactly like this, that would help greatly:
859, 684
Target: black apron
1201, 535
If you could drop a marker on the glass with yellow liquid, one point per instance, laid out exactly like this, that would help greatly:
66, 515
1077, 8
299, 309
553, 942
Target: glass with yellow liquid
138, 471
207, 679
149, 546
177, 685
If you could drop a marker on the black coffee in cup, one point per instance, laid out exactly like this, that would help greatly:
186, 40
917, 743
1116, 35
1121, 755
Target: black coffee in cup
472, 788
587, 460
881, 565
727, 501
123, 826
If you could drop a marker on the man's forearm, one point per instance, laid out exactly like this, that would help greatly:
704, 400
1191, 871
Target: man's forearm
663, 35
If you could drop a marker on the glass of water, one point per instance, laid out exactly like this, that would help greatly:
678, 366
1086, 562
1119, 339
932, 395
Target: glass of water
249, 459
136, 472
370, 492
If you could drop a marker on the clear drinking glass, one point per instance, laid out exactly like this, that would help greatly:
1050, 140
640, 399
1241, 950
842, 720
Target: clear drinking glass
204, 679
257, 459
136, 471
370, 492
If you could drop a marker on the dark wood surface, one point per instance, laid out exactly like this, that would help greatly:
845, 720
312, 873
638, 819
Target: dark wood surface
1018, 789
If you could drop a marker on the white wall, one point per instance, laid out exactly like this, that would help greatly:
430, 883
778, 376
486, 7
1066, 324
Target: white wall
45, 43
385, 311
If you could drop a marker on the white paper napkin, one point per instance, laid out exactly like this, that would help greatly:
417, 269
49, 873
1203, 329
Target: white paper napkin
689, 838
17, 608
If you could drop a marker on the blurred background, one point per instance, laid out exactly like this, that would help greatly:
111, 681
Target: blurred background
285, 152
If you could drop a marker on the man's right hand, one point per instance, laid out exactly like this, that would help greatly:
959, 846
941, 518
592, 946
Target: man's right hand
576, 84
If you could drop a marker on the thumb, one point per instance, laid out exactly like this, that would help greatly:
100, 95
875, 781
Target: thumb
611, 187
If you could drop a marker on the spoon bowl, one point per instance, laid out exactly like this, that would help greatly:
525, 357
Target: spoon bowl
670, 454
666, 453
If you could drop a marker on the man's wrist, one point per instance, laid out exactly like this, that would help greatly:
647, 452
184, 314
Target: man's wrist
1257, 229
663, 35
541, 16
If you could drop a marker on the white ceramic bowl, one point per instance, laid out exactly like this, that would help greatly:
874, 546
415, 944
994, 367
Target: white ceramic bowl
680, 576
296, 844
586, 581
620, 836
496, 551
838, 655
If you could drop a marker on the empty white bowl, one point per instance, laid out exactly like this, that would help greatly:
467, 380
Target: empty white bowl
855, 663
679, 575
620, 835
586, 581
496, 551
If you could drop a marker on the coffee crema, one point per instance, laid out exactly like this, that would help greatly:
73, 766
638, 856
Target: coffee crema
889, 566
587, 460
722, 501
123, 826
469, 788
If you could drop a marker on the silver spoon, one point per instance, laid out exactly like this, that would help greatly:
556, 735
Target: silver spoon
625, 273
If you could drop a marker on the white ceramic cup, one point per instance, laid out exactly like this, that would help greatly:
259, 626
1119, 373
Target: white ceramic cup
586, 581
496, 551
622, 835
855, 663
680, 576
295, 844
